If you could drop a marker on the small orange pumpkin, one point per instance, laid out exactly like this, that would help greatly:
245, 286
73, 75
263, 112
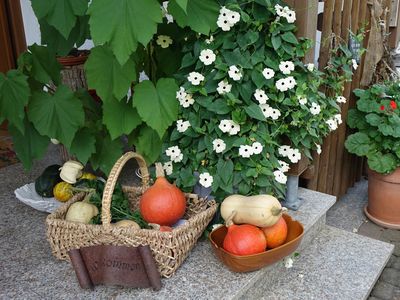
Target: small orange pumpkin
244, 240
163, 203
276, 234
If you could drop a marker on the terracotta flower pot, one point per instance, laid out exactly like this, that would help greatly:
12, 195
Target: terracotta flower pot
384, 199
79, 57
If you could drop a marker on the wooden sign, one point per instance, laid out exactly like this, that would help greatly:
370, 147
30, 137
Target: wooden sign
115, 265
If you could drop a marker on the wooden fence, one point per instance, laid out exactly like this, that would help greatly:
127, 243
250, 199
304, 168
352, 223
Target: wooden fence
335, 170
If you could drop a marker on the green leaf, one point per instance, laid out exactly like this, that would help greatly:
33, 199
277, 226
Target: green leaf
290, 38
258, 78
386, 129
382, 163
58, 116
182, 3
14, 95
358, 143
373, 119
107, 153
255, 112
83, 145
148, 144
120, 117
123, 24
367, 105
201, 15
30, 145
45, 67
356, 119
157, 105
276, 42
106, 76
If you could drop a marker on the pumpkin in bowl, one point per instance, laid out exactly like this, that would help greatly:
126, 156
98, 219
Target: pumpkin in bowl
244, 240
276, 234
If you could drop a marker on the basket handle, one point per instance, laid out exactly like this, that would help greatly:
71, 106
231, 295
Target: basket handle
112, 180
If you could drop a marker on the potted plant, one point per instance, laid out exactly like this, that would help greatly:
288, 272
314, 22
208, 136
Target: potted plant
376, 120
249, 106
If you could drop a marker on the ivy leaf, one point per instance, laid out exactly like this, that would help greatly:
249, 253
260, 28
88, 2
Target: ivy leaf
254, 111
290, 38
14, 95
148, 144
128, 22
120, 117
58, 116
382, 163
358, 143
107, 153
115, 79
157, 105
29, 145
45, 67
201, 15
83, 145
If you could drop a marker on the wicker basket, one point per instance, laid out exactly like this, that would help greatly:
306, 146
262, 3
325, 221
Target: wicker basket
169, 248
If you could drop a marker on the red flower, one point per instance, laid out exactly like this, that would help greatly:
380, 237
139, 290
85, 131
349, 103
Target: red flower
382, 107
393, 104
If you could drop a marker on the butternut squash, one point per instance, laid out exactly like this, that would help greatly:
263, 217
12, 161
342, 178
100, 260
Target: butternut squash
260, 210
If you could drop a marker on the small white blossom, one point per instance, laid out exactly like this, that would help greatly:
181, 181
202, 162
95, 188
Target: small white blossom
224, 23
279, 10
164, 41
257, 148
195, 78
288, 262
291, 82
282, 85
266, 110
294, 155
177, 159
143, 76
55, 141
210, 40
275, 114
207, 57
341, 99
315, 108
303, 101
224, 12
173, 152
319, 149
332, 124
233, 17
355, 65
235, 73
181, 94
310, 67
280, 177
284, 166
261, 96
206, 179
182, 126
290, 16
168, 168
268, 73
284, 150
338, 118
286, 67
164, 9
235, 128
219, 145
225, 125
187, 101
246, 151
224, 87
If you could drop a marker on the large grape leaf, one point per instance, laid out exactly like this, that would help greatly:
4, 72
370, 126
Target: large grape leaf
120, 117
57, 116
157, 105
45, 67
123, 24
182, 4
29, 145
83, 145
14, 95
201, 16
61, 14
107, 153
107, 76
147, 143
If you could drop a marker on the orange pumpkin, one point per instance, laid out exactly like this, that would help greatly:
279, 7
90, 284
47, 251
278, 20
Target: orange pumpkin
276, 234
163, 203
244, 240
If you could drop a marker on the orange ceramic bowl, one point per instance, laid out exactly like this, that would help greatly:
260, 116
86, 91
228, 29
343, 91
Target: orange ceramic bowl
248, 263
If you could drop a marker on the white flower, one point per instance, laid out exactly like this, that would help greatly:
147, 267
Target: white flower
235, 128
294, 155
224, 12
275, 114
206, 179
224, 87
182, 126
164, 8
257, 148
173, 152
223, 23
164, 41
181, 94
310, 67
291, 82
280, 177
341, 99
319, 149
233, 17
225, 125
210, 40
282, 85
268, 73
286, 67
261, 96
284, 166
355, 65
235, 73
315, 109
168, 168
290, 16
207, 57
279, 10
338, 118
284, 150
266, 110
288, 262
246, 151
143, 76
302, 101
219, 145
195, 78
332, 124
54, 141
187, 101
177, 159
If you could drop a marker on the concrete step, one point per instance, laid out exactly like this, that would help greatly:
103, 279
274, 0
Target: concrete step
336, 265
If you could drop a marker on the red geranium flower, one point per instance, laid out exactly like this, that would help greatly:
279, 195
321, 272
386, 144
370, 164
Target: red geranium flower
393, 104
382, 107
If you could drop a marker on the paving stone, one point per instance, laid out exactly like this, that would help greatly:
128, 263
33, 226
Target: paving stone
391, 262
373, 298
371, 230
395, 263
392, 276
383, 290
391, 235
396, 251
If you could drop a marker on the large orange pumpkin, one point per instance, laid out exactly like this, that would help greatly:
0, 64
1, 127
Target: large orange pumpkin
244, 240
276, 234
163, 203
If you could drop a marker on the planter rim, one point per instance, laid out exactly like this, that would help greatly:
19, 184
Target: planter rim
393, 177
68, 61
